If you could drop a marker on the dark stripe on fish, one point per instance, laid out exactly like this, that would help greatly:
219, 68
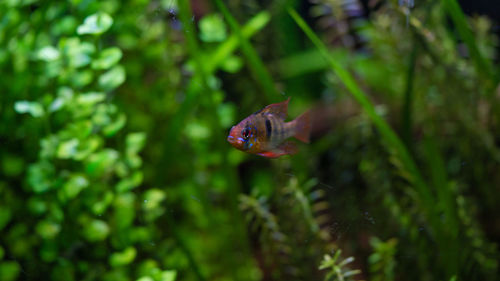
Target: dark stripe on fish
269, 128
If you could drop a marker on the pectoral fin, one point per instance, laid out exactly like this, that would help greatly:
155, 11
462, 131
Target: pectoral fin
286, 148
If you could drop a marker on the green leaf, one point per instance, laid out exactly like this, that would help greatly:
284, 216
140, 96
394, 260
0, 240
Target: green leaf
198, 131
74, 186
226, 113
5, 216
12, 165
9, 270
129, 183
56, 104
483, 65
212, 28
112, 78
123, 258
65, 26
78, 129
153, 199
48, 53
112, 128
40, 176
33, 108
226, 48
101, 162
107, 58
124, 210
36, 205
135, 142
100, 206
48, 251
95, 24
91, 98
257, 67
47, 229
82, 78
232, 64
77, 53
96, 230
168, 275
67, 149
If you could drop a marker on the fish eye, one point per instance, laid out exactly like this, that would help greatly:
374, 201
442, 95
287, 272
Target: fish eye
245, 133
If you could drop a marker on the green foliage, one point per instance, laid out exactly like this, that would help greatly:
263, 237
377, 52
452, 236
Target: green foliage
382, 261
115, 166
79, 187
337, 269
212, 29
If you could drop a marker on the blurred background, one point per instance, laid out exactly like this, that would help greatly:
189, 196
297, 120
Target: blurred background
114, 163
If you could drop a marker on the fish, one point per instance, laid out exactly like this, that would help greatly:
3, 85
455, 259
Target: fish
265, 132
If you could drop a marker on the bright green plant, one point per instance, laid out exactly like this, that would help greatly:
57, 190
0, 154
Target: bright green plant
337, 270
114, 163
80, 188
382, 261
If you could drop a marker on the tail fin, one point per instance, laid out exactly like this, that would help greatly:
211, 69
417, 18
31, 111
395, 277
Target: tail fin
303, 127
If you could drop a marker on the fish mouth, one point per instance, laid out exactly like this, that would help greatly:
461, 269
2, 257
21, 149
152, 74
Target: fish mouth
231, 139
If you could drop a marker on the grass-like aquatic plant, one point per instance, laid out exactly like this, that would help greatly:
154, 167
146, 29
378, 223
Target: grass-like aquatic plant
114, 163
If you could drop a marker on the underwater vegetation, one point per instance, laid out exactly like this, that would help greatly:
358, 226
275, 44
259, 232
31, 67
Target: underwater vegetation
115, 164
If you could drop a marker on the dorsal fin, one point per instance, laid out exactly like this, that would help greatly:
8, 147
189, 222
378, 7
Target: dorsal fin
278, 109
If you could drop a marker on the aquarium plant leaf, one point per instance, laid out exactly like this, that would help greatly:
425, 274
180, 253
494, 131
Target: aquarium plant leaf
386, 131
460, 21
226, 48
255, 64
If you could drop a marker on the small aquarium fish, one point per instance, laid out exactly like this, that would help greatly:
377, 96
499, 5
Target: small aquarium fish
265, 132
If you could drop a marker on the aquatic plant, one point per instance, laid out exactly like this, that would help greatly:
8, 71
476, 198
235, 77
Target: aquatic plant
114, 162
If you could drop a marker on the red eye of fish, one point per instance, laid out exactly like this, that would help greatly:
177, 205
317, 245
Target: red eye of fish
245, 133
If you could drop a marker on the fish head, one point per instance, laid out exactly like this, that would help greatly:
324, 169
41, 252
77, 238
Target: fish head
243, 136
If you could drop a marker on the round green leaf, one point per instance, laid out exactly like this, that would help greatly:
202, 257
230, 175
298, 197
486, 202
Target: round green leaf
47, 229
123, 258
67, 149
40, 176
232, 64
95, 24
153, 199
168, 275
112, 128
74, 185
9, 270
96, 230
81, 79
135, 142
112, 78
5, 216
48, 53
107, 58
127, 184
212, 29
101, 162
197, 131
